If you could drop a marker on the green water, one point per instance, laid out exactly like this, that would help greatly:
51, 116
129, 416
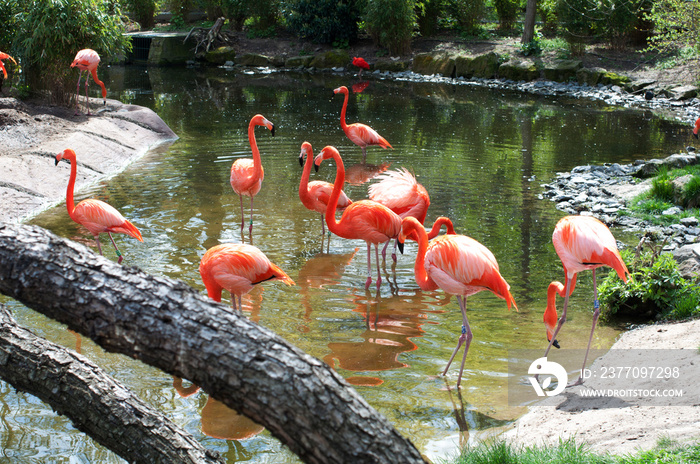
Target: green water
482, 155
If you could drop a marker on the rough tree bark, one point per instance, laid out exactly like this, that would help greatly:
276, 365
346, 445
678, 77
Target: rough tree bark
169, 325
96, 403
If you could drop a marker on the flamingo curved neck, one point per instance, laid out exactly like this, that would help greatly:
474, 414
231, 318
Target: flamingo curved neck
343, 124
100, 83
257, 165
422, 279
304, 184
70, 201
333, 225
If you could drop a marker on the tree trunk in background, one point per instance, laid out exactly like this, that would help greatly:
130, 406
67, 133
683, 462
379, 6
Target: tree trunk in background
96, 403
169, 325
529, 23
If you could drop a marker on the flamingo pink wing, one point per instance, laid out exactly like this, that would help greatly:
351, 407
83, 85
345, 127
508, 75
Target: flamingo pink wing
363, 135
243, 179
401, 193
98, 216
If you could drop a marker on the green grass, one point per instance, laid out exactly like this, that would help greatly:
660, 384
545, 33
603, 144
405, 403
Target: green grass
667, 451
649, 205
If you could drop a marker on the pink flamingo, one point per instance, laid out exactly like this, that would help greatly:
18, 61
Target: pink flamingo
315, 195
400, 192
365, 219
247, 174
360, 134
97, 216
360, 63
5, 56
87, 60
582, 242
459, 265
236, 267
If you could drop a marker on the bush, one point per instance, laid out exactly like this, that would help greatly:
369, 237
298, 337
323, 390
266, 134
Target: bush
507, 11
144, 11
656, 290
662, 186
8, 24
467, 14
428, 13
576, 19
323, 21
691, 193
49, 34
391, 23
619, 20
675, 25
547, 10
236, 12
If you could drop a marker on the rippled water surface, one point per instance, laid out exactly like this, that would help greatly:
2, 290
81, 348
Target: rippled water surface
481, 154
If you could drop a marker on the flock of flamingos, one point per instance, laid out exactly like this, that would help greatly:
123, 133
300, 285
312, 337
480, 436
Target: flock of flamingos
396, 210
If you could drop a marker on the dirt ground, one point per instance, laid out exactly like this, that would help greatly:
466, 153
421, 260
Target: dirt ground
31, 135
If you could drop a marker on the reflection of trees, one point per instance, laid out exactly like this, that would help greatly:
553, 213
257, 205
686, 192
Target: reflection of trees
390, 325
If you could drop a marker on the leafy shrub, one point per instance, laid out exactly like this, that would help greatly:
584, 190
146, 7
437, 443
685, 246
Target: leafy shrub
49, 34
532, 48
323, 21
263, 16
236, 12
467, 14
180, 10
576, 19
143, 10
618, 20
547, 9
428, 14
656, 290
662, 186
675, 24
391, 23
691, 193
507, 11
8, 24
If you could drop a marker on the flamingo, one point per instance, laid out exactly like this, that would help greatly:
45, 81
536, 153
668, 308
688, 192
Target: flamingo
87, 60
5, 56
696, 128
247, 174
365, 219
97, 216
400, 192
360, 134
360, 63
236, 267
582, 242
459, 265
314, 195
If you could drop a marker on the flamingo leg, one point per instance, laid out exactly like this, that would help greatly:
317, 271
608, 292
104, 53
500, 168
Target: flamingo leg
242, 213
596, 314
562, 319
250, 229
386, 245
77, 93
379, 271
465, 338
323, 226
369, 266
87, 98
119, 261
97, 241
364, 154
393, 254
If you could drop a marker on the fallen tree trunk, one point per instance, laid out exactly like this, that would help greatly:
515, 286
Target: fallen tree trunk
169, 325
96, 403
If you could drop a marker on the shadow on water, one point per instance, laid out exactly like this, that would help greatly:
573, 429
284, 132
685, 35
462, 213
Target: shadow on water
482, 155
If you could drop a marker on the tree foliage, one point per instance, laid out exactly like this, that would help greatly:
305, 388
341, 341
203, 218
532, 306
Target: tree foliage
676, 24
391, 23
324, 21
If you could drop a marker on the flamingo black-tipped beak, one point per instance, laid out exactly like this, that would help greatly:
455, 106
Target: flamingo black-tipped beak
400, 246
301, 160
695, 134
555, 344
316, 167
273, 130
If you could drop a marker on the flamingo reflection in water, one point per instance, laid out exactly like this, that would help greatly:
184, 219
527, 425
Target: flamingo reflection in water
391, 324
321, 270
218, 420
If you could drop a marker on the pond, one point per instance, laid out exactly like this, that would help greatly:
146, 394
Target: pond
481, 154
